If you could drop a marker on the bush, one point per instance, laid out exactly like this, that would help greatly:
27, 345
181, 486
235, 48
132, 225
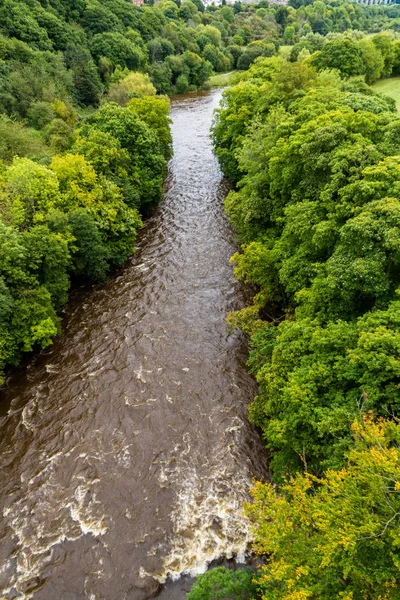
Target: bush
222, 583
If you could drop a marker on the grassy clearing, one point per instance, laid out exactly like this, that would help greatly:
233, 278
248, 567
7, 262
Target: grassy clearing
221, 79
390, 87
285, 51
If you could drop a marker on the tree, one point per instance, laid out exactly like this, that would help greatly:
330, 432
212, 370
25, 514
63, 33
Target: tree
82, 188
199, 4
21, 24
342, 54
154, 112
104, 153
384, 43
118, 49
90, 252
336, 536
87, 84
147, 163
161, 76
289, 34
49, 261
236, 52
99, 19
159, 49
314, 379
19, 140
281, 16
27, 316
169, 9
221, 583
199, 69
134, 85
230, 123
29, 191
210, 53
373, 60
310, 41
299, 209
248, 57
317, 213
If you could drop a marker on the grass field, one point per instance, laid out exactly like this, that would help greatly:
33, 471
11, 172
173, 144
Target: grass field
390, 87
221, 79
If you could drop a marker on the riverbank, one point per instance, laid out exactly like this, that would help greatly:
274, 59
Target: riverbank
221, 80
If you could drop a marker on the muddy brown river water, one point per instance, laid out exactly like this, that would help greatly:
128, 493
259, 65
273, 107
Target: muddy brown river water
125, 450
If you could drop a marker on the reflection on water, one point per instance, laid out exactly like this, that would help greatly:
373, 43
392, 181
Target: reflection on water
126, 451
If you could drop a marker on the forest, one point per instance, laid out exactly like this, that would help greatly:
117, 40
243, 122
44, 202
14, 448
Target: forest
312, 153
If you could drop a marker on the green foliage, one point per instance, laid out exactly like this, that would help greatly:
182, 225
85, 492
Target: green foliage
221, 583
19, 140
27, 315
134, 85
118, 49
56, 222
182, 84
318, 212
248, 57
384, 43
313, 380
87, 86
70, 215
146, 166
372, 59
70, 50
342, 54
154, 112
313, 153
90, 253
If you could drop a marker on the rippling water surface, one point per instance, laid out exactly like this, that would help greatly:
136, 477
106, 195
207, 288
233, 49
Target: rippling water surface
125, 450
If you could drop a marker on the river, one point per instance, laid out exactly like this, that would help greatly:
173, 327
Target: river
125, 449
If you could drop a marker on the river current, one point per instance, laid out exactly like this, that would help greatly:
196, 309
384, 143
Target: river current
125, 449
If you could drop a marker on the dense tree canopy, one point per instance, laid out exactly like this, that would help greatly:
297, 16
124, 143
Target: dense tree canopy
220, 583
70, 50
312, 153
336, 536
318, 213
73, 214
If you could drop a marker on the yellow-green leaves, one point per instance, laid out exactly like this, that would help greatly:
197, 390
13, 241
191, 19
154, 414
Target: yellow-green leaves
27, 191
336, 536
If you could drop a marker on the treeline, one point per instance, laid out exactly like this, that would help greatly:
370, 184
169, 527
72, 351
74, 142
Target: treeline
72, 48
61, 60
351, 53
82, 53
56, 49
314, 155
326, 16
76, 216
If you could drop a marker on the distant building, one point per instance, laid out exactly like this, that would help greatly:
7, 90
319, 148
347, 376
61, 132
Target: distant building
375, 1
137, 2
